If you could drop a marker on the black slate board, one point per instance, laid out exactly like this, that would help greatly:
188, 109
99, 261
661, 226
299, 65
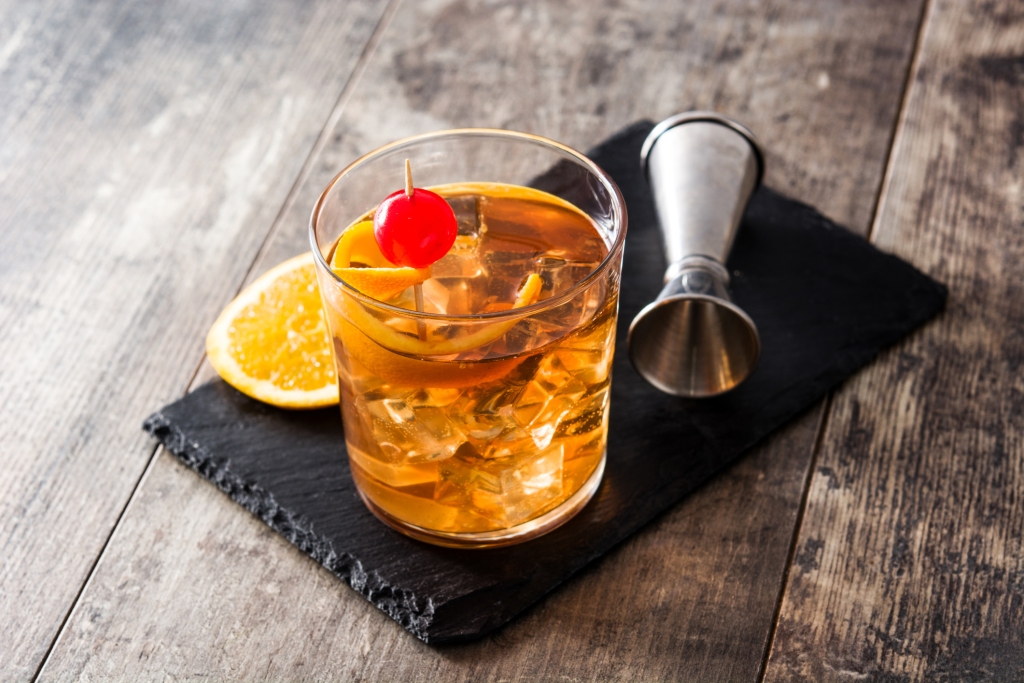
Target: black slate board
824, 300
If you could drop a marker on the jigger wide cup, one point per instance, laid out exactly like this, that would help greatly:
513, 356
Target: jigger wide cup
692, 341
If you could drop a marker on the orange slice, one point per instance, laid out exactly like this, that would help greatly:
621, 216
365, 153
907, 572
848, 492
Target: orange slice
379, 279
272, 343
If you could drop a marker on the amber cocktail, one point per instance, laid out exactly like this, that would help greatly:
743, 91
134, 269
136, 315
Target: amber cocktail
477, 415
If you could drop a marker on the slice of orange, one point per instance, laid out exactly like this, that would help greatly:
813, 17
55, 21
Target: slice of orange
378, 278
272, 343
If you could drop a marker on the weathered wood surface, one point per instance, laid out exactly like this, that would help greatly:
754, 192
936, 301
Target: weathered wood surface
145, 149
191, 587
910, 561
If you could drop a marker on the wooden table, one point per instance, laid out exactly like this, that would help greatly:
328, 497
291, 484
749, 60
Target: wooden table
155, 157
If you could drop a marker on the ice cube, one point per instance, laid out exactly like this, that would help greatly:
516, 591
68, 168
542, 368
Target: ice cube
458, 264
547, 399
525, 371
530, 333
435, 296
427, 512
440, 397
463, 260
459, 293
586, 415
468, 214
553, 373
530, 403
596, 335
398, 409
510, 440
484, 414
589, 366
409, 428
510, 265
366, 384
559, 272
394, 474
508, 490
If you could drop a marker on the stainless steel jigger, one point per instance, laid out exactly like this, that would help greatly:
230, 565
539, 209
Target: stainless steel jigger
692, 340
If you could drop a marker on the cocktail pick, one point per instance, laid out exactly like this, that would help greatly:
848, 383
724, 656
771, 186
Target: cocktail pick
692, 340
418, 287
414, 227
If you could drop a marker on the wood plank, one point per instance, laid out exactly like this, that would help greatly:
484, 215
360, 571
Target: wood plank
145, 150
209, 592
192, 588
910, 564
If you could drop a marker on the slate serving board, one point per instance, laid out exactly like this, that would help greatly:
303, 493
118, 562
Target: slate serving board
824, 300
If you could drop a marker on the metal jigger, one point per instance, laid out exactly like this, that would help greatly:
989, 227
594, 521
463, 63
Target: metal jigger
692, 340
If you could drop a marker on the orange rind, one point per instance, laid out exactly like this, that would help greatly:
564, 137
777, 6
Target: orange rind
375, 276
436, 342
402, 371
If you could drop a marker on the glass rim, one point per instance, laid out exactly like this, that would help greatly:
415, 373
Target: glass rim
618, 211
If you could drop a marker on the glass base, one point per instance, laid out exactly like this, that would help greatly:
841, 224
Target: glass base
533, 528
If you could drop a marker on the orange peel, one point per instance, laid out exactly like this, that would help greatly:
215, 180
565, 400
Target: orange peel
378, 278
402, 371
435, 344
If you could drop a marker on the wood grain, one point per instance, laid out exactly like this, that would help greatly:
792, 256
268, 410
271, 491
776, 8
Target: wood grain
145, 150
215, 594
910, 562
191, 587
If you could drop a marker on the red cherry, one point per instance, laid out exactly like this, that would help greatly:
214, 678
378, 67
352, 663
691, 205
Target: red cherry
414, 231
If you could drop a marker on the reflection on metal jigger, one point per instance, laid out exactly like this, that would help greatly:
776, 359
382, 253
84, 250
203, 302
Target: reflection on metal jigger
692, 340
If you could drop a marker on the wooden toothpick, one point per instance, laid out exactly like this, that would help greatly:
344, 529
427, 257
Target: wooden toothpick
417, 289
421, 327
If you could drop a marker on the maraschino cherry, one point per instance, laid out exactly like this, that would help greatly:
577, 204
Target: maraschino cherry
414, 227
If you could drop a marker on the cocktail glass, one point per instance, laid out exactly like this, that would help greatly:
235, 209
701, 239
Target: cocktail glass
481, 428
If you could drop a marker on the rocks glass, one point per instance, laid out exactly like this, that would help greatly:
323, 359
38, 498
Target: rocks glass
475, 423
